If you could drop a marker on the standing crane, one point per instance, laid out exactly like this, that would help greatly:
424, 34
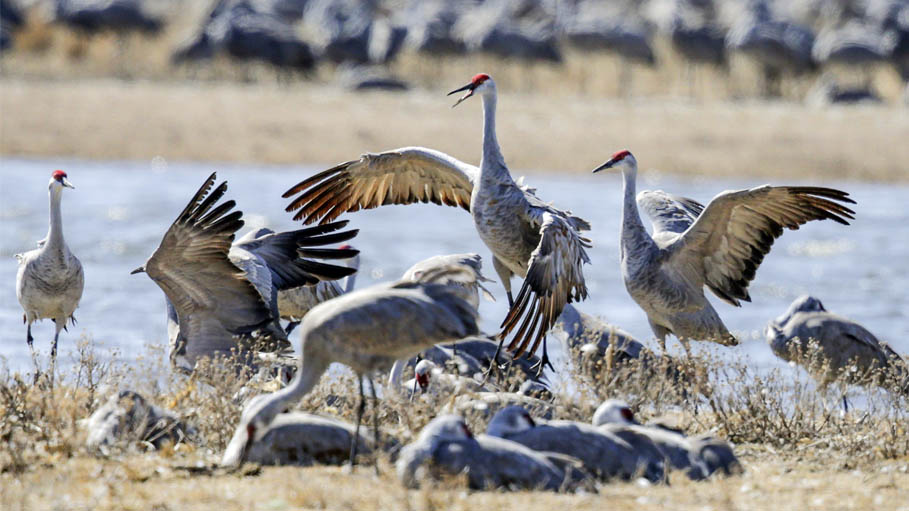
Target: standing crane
720, 246
50, 279
527, 236
367, 330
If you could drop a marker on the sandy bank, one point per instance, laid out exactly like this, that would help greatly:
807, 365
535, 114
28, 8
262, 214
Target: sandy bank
311, 124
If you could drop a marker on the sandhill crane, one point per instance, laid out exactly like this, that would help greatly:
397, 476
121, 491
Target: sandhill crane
416, 272
602, 453
129, 417
224, 295
367, 330
486, 404
527, 236
430, 378
295, 302
698, 457
593, 340
831, 346
473, 357
297, 438
49, 280
720, 246
446, 445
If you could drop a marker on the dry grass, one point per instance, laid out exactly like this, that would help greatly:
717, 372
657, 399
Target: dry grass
799, 451
313, 124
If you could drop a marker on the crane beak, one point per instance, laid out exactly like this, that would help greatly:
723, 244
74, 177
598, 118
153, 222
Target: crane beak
140, 269
65, 182
608, 165
469, 88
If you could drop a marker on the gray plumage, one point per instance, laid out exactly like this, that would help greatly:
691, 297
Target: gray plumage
223, 295
719, 246
127, 417
475, 354
49, 281
297, 438
366, 330
447, 447
592, 339
527, 236
484, 405
475, 284
698, 457
602, 453
830, 346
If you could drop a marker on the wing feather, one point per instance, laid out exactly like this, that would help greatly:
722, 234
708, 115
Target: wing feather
667, 212
730, 238
554, 279
213, 299
399, 176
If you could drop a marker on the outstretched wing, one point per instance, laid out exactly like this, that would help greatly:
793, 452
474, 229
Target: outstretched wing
667, 212
399, 176
728, 241
554, 279
289, 255
213, 299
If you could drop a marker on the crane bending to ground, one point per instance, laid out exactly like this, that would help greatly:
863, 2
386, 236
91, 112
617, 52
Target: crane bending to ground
50, 279
367, 330
224, 294
528, 237
843, 348
720, 246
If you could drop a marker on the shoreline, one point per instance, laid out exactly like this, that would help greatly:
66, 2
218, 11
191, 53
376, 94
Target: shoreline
307, 124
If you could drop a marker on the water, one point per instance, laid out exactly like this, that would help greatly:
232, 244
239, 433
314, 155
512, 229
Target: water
118, 213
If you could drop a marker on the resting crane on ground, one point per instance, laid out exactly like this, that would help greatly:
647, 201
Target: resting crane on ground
699, 457
843, 347
602, 453
50, 279
527, 236
223, 295
367, 330
719, 246
447, 446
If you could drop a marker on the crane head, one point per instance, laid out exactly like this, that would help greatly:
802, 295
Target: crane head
619, 160
58, 178
480, 82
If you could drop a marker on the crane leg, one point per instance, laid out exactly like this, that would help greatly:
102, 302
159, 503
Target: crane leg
31, 347
375, 425
361, 407
845, 404
53, 358
494, 363
413, 391
544, 361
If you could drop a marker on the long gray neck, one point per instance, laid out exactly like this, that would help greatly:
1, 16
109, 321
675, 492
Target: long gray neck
634, 235
492, 166
54, 240
308, 375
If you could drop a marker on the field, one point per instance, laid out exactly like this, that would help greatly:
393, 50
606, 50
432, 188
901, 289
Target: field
806, 456
318, 125
63, 96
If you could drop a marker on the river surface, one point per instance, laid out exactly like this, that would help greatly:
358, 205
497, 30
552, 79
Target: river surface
118, 213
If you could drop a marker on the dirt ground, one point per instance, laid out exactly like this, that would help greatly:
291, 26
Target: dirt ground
309, 124
152, 483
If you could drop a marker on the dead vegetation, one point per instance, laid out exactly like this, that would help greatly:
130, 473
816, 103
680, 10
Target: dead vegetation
787, 433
